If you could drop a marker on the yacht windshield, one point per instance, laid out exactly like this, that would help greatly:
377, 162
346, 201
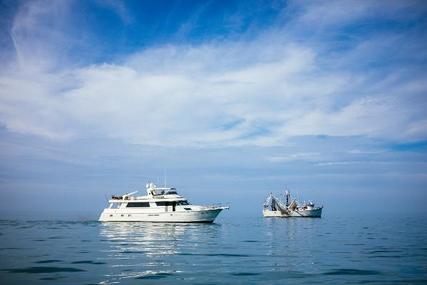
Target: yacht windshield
182, 202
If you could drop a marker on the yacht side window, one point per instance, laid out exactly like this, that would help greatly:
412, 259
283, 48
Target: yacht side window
138, 204
182, 203
158, 204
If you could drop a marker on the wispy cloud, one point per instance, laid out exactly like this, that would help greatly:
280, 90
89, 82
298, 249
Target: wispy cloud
261, 91
119, 7
301, 156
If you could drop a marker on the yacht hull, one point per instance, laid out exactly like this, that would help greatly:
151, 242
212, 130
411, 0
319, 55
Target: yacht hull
313, 213
197, 216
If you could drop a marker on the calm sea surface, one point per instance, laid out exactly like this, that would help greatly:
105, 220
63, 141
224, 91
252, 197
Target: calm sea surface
331, 250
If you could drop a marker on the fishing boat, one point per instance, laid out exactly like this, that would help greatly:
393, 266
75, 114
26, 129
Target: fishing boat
161, 204
274, 207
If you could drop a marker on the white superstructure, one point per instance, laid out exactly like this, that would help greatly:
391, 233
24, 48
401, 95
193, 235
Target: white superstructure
273, 207
161, 204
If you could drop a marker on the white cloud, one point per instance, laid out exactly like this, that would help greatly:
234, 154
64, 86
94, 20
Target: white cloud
260, 92
363, 151
300, 156
338, 163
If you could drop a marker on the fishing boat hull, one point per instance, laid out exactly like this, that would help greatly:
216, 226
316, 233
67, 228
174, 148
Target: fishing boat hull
312, 213
207, 215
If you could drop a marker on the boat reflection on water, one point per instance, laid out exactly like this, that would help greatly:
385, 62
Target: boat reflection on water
147, 250
148, 238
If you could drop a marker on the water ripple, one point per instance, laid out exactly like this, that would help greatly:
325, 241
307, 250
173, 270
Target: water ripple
352, 272
36, 269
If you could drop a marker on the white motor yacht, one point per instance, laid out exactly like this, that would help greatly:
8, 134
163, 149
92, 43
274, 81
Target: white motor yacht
161, 204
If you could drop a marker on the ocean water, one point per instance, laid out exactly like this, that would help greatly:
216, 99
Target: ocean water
331, 250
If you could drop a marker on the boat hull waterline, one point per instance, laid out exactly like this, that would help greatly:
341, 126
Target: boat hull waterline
315, 213
202, 216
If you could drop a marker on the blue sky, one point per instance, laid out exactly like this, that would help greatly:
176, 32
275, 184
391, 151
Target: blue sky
230, 100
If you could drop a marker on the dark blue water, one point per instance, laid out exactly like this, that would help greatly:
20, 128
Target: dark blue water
331, 250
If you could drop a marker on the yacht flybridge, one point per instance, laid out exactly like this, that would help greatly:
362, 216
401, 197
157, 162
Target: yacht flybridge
161, 204
274, 207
